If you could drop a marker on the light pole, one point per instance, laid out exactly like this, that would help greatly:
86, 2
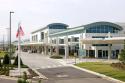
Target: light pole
10, 31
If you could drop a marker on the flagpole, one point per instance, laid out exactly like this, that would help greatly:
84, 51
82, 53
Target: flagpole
19, 52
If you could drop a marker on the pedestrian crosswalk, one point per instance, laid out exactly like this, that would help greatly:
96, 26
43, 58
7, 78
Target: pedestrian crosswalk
50, 66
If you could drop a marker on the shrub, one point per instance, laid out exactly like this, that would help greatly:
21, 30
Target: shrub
39, 81
56, 57
23, 79
16, 61
2, 54
122, 56
19, 81
6, 60
0, 63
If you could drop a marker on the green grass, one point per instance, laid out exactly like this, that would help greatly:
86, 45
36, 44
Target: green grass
104, 68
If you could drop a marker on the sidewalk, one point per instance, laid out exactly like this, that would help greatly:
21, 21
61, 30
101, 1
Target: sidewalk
75, 61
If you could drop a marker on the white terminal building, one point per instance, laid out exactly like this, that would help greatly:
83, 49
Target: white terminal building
95, 40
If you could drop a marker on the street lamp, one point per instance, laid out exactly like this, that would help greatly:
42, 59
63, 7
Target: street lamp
10, 31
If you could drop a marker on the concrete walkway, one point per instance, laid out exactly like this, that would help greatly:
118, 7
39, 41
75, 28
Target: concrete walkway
74, 61
39, 61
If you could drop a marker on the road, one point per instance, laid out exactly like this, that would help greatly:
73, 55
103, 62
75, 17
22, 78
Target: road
70, 75
59, 73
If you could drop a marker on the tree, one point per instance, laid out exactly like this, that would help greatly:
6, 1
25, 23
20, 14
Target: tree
6, 60
0, 63
16, 61
122, 56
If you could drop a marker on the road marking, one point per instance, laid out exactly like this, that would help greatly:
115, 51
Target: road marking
48, 66
62, 76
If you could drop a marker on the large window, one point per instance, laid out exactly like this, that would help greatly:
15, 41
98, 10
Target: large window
57, 27
34, 38
61, 41
102, 29
42, 35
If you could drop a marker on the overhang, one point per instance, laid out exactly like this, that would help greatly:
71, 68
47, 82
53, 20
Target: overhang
114, 40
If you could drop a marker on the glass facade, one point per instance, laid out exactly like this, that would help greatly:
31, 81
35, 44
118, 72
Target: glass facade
102, 29
57, 27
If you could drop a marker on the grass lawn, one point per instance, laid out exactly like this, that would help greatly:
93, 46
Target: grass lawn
104, 68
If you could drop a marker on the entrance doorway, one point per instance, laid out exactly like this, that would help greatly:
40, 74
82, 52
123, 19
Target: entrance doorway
102, 53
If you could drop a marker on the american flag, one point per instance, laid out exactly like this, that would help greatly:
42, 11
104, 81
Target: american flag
19, 32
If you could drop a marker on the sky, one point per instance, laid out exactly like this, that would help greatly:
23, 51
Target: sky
35, 14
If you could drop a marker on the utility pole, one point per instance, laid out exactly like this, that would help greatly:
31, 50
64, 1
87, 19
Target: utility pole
10, 32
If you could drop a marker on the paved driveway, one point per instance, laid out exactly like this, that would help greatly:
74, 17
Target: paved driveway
70, 75
38, 61
56, 72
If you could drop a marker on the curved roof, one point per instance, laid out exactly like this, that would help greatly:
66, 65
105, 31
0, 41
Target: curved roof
52, 24
49, 25
103, 23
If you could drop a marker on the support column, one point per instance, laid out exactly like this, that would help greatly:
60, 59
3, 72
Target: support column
42, 50
46, 49
81, 51
66, 47
51, 48
96, 52
57, 46
72, 40
109, 52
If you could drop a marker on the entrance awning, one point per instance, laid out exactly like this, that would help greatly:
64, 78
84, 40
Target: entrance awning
113, 40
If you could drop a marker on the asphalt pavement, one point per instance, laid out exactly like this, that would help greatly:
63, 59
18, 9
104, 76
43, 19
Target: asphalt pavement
70, 75
58, 72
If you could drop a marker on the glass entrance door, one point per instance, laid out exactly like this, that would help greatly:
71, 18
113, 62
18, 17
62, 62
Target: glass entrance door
105, 53
99, 53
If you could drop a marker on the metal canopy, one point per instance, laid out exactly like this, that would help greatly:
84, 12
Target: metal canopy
114, 40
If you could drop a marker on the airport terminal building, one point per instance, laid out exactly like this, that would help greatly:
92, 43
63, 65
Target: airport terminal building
96, 40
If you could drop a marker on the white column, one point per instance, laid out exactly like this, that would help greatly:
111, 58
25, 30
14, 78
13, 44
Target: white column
42, 50
96, 52
72, 40
57, 46
109, 51
66, 47
46, 43
80, 46
45, 50
51, 49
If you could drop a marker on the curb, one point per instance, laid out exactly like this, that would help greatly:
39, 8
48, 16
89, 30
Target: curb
98, 74
8, 77
40, 75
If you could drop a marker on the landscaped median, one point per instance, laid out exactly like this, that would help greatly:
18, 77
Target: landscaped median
104, 68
